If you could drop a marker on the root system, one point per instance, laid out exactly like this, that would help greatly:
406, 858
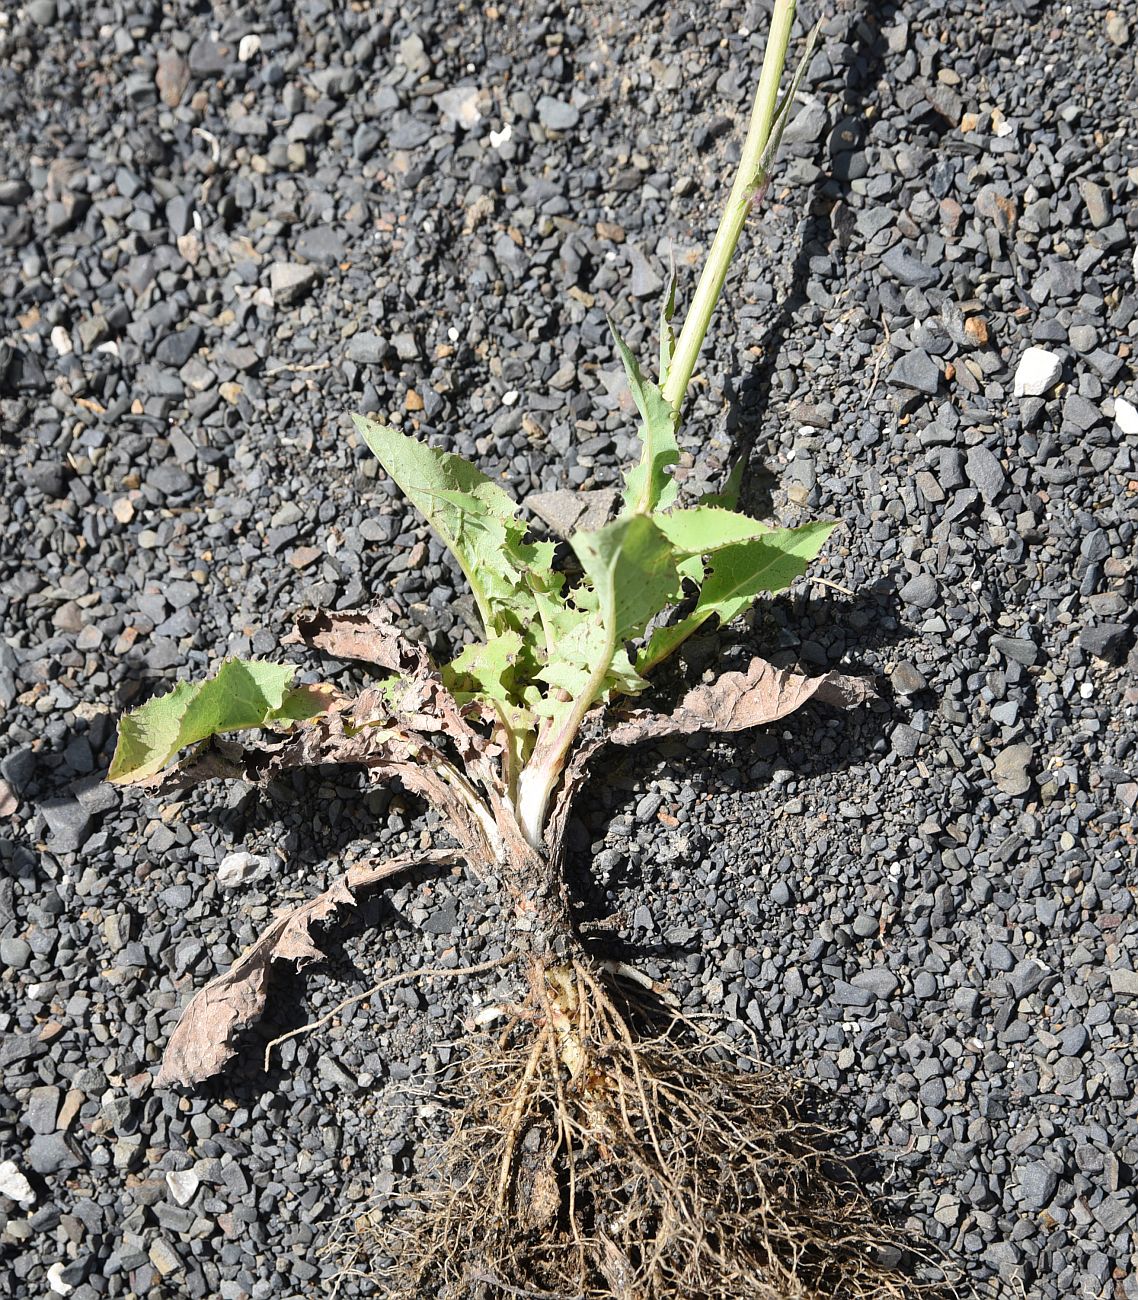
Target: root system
587, 1162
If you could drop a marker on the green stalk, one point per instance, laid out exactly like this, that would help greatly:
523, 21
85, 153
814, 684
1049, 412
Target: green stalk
731, 226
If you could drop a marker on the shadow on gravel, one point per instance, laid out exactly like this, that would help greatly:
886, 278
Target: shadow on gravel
834, 631
752, 395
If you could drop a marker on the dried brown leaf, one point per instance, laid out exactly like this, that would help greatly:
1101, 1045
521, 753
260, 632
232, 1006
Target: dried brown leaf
385, 750
422, 703
369, 635
736, 701
205, 1036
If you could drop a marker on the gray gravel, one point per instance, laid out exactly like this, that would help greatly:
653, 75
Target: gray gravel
219, 235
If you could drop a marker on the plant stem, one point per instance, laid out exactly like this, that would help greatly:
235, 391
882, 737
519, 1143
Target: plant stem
731, 225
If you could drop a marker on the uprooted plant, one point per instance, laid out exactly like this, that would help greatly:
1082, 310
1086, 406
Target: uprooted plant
593, 1156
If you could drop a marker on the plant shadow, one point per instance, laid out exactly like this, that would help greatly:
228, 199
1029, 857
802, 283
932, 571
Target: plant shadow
821, 234
838, 632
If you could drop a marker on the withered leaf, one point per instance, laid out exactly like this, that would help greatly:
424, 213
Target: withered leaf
348, 736
371, 636
419, 701
205, 1037
736, 701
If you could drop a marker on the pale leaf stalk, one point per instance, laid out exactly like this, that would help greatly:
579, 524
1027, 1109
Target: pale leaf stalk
541, 774
477, 805
714, 273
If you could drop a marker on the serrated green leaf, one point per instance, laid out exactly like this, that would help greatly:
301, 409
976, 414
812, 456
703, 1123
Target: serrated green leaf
243, 694
631, 574
649, 486
631, 566
495, 674
736, 576
471, 515
667, 333
700, 530
703, 529
485, 669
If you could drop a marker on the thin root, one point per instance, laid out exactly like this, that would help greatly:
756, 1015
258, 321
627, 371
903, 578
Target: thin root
449, 972
517, 1109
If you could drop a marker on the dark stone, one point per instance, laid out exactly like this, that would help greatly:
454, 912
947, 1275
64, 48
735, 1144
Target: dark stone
321, 245
1038, 1184
909, 270
49, 1153
367, 349
69, 823
49, 478
878, 980
916, 370
179, 215
556, 115
850, 995
985, 473
1018, 649
176, 349
206, 58
443, 919
921, 591
1084, 415
1106, 641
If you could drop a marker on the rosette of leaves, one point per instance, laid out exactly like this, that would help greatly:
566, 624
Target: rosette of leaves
494, 737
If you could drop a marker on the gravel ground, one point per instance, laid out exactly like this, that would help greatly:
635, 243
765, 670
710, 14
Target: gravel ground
222, 232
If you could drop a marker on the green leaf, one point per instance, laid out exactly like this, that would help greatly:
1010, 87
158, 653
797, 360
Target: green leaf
649, 486
495, 674
485, 670
632, 568
471, 515
703, 529
736, 576
631, 575
243, 694
667, 333
700, 530
782, 114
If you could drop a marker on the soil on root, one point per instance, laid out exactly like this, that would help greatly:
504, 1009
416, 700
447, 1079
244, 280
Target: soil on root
586, 1162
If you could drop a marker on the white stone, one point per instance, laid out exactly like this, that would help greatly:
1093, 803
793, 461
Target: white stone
1117, 32
250, 45
1037, 373
56, 1282
499, 138
460, 104
61, 341
1125, 416
13, 1184
238, 868
183, 1185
